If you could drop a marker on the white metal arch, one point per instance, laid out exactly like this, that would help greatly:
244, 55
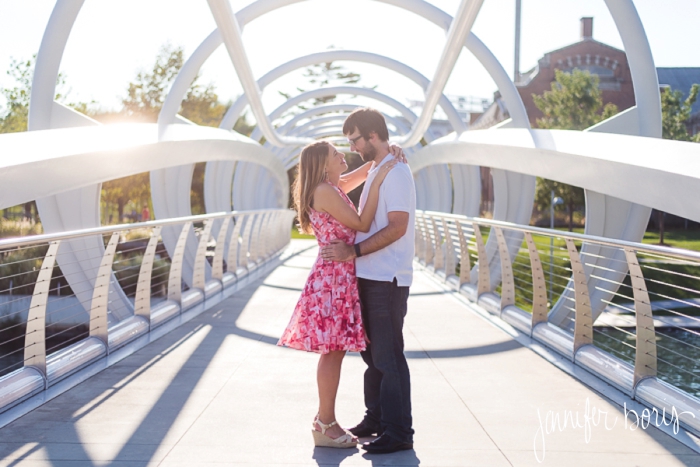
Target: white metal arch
42, 110
438, 17
435, 180
236, 109
608, 216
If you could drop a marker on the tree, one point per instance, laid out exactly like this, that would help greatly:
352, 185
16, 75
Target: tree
572, 195
146, 94
574, 103
675, 113
143, 102
14, 118
135, 189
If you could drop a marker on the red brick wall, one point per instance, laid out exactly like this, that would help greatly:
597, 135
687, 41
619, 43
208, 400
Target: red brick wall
585, 51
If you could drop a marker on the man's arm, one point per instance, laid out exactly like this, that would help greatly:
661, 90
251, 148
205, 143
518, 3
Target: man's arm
338, 250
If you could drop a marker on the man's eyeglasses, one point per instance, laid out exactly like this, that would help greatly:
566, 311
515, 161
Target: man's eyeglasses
353, 141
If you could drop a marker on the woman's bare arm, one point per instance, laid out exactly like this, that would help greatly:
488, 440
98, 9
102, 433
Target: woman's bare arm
352, 180
326, 199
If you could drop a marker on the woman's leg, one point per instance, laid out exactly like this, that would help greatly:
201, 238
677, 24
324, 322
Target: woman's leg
328, 378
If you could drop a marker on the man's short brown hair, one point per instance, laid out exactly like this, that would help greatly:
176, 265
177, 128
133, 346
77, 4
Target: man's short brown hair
366, 120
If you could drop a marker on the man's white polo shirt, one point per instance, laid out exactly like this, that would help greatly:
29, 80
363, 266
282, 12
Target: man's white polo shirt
397, 193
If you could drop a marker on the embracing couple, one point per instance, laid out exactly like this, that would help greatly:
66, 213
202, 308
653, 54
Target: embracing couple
356, 295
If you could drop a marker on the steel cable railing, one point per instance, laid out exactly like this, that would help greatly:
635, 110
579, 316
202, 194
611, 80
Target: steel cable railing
48, 332
638, 327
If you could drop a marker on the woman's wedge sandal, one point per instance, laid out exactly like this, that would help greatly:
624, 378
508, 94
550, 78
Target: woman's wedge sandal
321, 439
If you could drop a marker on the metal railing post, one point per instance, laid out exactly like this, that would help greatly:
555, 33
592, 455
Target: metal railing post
484, 284
429, 250
507, 281
450, 253
264, 235
645, 353
199, 279
539, 287
245, 254
175, 276
583, 325
465, 266
100, 294
35, 336
439, 259
142, 301
255, 239
234, 247
217, 266
420, 238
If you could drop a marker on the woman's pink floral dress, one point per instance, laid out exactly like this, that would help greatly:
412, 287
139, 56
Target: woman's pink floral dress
327, 316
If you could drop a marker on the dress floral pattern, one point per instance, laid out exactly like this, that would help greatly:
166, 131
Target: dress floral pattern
327, 316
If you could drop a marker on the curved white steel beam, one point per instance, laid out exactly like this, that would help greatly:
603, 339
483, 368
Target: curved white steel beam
288, 156
323, 92
642, 67
77, 258
409, 115
457, 34
44, 163
626, 167
245, 197
237, 108
218, 175
326, 109
514, 193
419, 7
608, 216
228, 26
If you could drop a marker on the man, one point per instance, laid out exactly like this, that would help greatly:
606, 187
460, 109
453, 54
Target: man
384, 267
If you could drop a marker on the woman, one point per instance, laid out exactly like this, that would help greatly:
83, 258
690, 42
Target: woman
327, 318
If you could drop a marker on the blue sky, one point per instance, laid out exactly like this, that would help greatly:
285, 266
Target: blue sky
112, 39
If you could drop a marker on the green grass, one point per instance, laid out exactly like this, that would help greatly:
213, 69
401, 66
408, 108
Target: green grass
297, 235
688, 239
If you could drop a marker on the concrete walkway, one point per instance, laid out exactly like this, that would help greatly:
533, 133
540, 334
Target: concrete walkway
217, 391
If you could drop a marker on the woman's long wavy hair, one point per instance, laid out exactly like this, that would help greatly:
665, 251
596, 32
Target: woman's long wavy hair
310, 173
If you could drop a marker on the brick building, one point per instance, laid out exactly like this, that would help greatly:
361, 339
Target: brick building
608, 63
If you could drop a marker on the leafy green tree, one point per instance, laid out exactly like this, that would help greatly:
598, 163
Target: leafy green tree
573, 196
144, 100
675, 113
145, 95
135, 189
14, 118
574, 103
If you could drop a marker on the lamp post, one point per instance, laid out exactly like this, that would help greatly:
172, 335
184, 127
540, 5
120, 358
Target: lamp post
554, 201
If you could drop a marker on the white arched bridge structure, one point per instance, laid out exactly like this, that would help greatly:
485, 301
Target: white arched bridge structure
145, 327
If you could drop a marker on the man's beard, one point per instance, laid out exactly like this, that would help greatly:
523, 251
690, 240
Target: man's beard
369, 153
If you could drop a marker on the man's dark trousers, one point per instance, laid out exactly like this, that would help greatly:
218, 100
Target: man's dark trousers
387, 379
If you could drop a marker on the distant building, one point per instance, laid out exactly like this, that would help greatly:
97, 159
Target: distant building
606, 62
